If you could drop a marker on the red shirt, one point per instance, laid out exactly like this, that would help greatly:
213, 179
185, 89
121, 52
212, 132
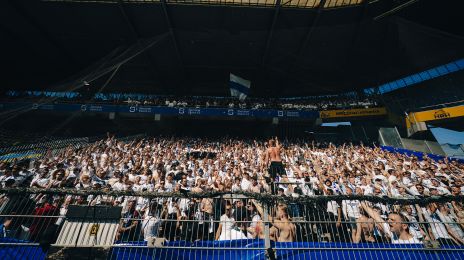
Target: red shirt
39, 224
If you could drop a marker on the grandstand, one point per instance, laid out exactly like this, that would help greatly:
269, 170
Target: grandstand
211, 129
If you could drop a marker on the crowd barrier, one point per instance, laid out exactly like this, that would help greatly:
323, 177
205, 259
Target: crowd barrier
296, 251
141, 225
42, 149
51, 148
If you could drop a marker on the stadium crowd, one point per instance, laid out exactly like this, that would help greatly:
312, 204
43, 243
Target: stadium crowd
296, 103
319, 103
191, 165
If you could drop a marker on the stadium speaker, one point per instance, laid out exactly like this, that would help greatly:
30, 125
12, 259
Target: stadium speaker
318, 122
157, 117
275, 120
111, 115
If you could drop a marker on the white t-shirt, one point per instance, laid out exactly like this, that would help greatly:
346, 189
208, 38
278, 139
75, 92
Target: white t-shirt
332, 207
397, 240
437, 227
143, 178
254, 221
169, 186
171, 208
118, 186
236, 187
245, 185
41, 181
452, 223
368, 190
414, 228
407, 182
412, 240
392, 178
350, 208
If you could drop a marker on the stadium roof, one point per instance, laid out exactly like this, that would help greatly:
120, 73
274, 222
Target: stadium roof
286, 48
241, 3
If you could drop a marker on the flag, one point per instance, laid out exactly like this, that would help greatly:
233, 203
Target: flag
239, 87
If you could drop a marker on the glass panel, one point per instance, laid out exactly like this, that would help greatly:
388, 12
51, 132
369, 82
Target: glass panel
390, 137
460, 63
408, 80
452, 67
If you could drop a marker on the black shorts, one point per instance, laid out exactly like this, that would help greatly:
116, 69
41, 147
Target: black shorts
276, 169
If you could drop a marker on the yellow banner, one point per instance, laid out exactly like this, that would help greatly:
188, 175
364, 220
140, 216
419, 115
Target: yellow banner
436, 114
378, 111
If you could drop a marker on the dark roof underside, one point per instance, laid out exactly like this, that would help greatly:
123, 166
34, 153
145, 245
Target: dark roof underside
283, 51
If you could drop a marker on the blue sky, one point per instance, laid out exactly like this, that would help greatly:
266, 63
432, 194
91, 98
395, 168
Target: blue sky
336, 123
444, 136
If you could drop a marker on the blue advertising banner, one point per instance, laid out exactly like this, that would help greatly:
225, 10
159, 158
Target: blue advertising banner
255, 250
187, 111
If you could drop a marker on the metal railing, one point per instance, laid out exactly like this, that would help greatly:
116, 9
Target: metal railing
52, 148
228, 226
41, 149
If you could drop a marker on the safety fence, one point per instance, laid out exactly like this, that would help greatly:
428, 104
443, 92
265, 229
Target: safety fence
52, 148
58, 224
41, 150
39, 145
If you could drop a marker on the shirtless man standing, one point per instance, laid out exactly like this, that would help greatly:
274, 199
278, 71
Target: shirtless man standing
273, 159
258, 231
282, 227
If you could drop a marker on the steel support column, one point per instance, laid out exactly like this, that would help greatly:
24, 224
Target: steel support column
173, 35
135, 34
271, 32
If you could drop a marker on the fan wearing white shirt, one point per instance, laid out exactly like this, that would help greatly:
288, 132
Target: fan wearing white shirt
437, 229
246, 183
350, 209
236, 186
170, 184
396, 228
451, 223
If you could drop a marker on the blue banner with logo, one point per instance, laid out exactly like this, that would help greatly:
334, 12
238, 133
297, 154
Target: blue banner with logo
184, 111
255, 250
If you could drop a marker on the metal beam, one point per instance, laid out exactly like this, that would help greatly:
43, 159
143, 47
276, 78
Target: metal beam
173, 36
307, 38
301, 49
396, 9
357, 29
130, 24
311, 28
271, 32
136, 36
